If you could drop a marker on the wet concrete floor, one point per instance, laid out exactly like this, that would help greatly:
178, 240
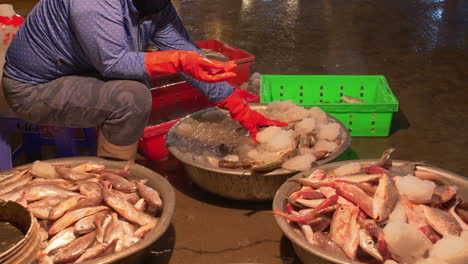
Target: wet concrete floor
421, 47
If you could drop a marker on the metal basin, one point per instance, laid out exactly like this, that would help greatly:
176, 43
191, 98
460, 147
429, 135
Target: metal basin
308, 253
242, 184
155, 181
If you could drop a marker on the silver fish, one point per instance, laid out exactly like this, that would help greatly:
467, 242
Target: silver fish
61, 239
385, 198
75, 249
73, 216
42, 191
367, 243
442, 222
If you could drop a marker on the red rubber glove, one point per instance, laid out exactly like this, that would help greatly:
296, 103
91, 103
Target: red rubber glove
189, 62
241, 112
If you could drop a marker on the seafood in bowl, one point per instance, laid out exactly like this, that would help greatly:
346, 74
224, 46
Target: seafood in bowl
91, 209
211, 138
375, 211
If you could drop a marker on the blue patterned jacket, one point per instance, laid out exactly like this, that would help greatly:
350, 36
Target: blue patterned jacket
74, 37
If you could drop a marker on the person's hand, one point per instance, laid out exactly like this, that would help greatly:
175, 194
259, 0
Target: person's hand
241, 112
189, 62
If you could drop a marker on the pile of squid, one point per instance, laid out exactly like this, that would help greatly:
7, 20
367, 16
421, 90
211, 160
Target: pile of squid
84, 211
355, 216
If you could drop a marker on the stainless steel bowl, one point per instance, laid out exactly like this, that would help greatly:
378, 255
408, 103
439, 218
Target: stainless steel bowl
155, 181
242, 184
308, 253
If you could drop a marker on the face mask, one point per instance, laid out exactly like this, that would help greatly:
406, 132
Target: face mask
148, 7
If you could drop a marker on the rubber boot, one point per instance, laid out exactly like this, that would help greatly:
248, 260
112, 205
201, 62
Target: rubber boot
106, 149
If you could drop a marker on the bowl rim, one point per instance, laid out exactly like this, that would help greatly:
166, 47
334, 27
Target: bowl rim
344, 145
164, 220
279, 200
27, 235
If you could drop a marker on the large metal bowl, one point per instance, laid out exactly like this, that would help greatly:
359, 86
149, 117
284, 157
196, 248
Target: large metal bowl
308, 253
242, 184
155, 181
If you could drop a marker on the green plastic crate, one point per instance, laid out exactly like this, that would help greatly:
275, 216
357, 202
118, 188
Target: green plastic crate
372, 119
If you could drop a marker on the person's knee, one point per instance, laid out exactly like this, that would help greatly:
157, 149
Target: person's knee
133, 96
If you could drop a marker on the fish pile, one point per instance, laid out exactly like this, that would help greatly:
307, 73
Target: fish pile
380, 213
216, 140
84, 211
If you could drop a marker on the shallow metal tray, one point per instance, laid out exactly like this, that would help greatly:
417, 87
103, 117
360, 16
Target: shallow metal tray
242, 184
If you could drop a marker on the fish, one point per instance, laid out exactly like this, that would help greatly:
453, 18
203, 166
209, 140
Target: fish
87, 202
120, 183
385, 198
130, 197
297, 194
355, 195
119, 172
90, 189
329, 191
367, 243
150, 195
127, 228
89, 166
63, 207
320, 223
442, 222
140, 205
351, 243
317, 175
61, 239
48, 201
241, 164
93, 252
312, 195
324, 242
358, 178
87, 224
73, 216
42, 191
14, 184
310, 203
41, 212
126, 209
443, 194
452, 211
14, 178
73, 175
44, 259
338, 224
67, 185
75, 249
416, 218
462, 213
4, 176
274, 164
14, 195
114, 230
102, 223
310, 215
126, 241
385, 159
352, 100
316, 184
